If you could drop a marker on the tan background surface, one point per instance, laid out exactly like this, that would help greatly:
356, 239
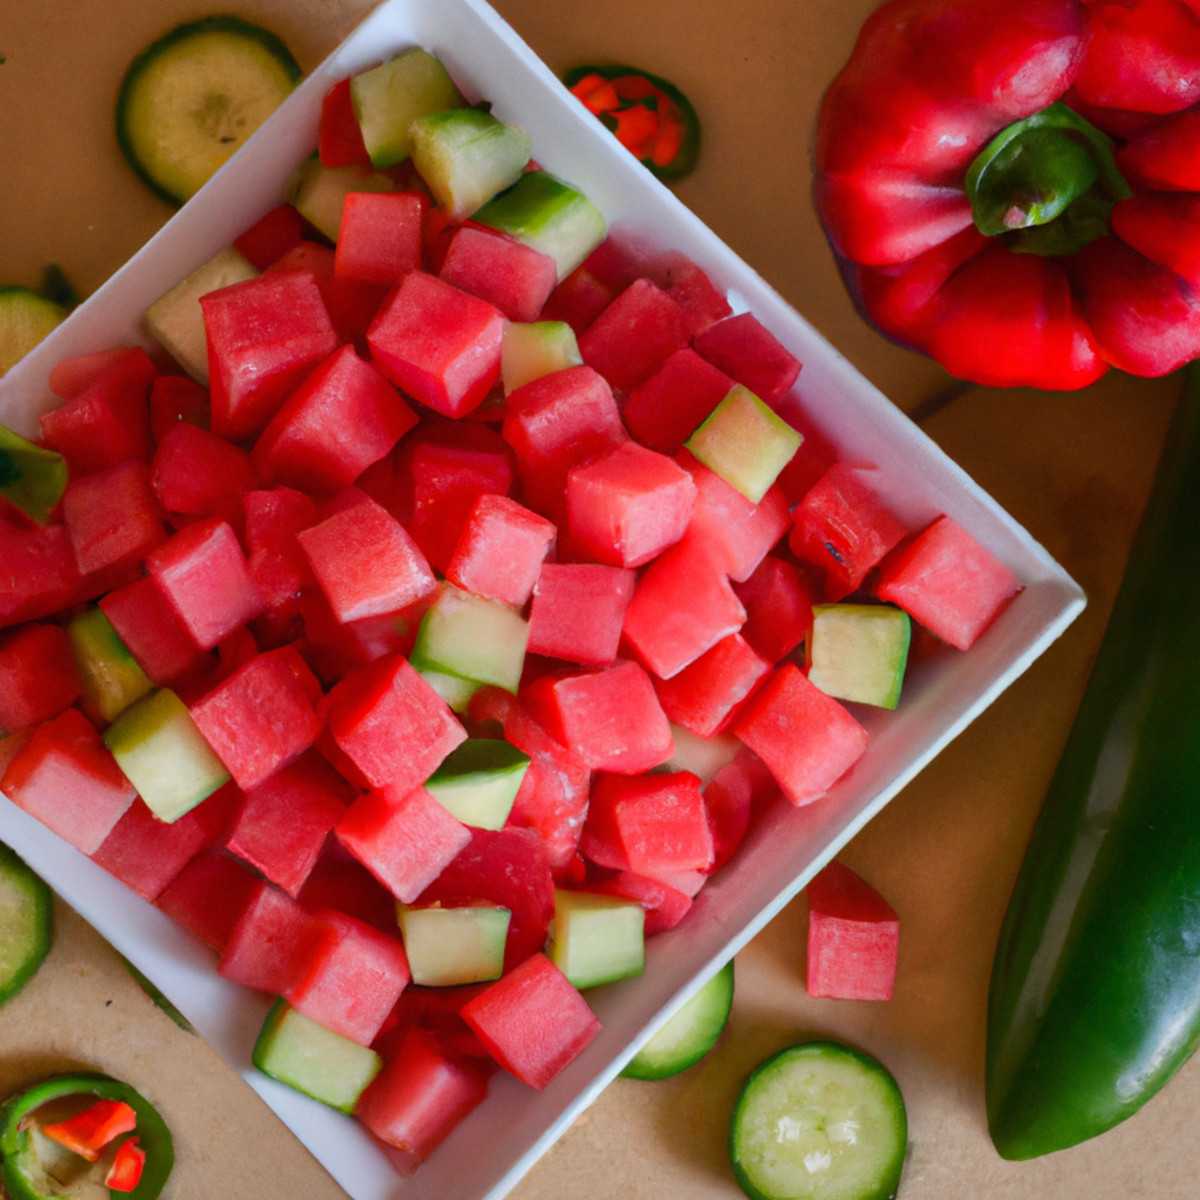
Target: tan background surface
1073, 468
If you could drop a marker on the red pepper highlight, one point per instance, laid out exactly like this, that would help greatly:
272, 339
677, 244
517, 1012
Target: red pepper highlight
126, 1171
88, 1132
997, 180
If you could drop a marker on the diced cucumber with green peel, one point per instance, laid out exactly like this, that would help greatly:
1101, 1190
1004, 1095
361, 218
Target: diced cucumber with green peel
597, 938
298, 1051
176, 321
318, 193
819, 1121
746, 442
32, 478
548, 214
163, 754
112, 678
531, 349
455, 690
466, 156
447, 947
388, 98
689, 1033
859, 652
26, 317
472, 637
479, 780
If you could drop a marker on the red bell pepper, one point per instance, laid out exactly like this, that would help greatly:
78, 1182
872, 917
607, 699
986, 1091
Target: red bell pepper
128, 1164
1006, 185
88, 1132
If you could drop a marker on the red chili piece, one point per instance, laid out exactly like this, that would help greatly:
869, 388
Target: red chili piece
1007, 187
126, 1171
89, 1131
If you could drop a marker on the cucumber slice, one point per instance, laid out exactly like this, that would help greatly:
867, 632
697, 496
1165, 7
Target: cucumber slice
26, 923
689, 1034
819, 1121
25, 318
192, 98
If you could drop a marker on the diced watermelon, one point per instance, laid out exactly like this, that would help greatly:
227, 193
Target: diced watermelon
380, 237
280, 825
271, 236
420, 1095
627, 505
198, 474
353, 979
209, 894
38, 574
610, 717
853, 937
501, 550
351, 303
664, 905
271, 941
806, 738
390, 724
778, 603
950, 583
516, 278
579, 299
578, 611
746, 350
437, 343
66, 776
730, 797
404, 838
705, 694
113, 516
152, 631
343, 417
264, 335
340, 140
533, 1021
176, 398
38, 675
664, 411
126, 368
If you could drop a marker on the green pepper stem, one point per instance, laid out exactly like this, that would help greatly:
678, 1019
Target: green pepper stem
1046, 183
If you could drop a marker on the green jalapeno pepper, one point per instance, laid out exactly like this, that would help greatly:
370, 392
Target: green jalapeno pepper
31, 1160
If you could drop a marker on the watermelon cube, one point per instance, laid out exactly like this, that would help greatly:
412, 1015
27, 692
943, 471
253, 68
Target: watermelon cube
343, 417
806, 738
705, 694
271, 942
380, 237
578, 610
198, 474
778, 603
628, 505
579, 299
533, 1021
202, 572
655, 824
274, 518
403, 837
634, 335
664, 906
176, 398
147, 853
853, 937
745, 349
38, 675
353, 979
209, 894
153, 632
501, 550
730, 797
339, 138
271, 236
264, 335
389, 725
280, 825
683, 605
127, 369
65, 776
948, 582
516, 278
38, 574
610, 717
112, 516
437, 343
843, 528
420, 1095
664, 411
366, 562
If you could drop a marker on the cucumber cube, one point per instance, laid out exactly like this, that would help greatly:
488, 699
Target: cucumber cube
467, 156
859, 652
176, 321
451, 946
314, 1060
478, 781
466, 635
112, 678
318, 193
548, 214
745, 442
455, 690
389, 97
163, 754
32, 478
531, 349
596, 938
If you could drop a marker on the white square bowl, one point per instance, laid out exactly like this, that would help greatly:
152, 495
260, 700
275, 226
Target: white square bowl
498, 1142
